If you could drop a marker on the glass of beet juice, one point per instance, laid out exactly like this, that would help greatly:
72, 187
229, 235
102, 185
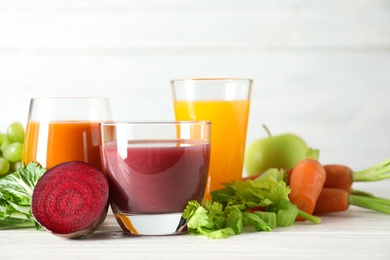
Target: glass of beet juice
153, 170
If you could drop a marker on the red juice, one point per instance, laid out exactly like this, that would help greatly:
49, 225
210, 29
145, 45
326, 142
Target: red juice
155, 177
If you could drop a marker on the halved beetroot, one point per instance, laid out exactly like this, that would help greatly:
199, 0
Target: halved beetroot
71, 199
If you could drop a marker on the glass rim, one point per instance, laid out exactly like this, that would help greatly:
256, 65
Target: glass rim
157, 122
211, 79
66, 97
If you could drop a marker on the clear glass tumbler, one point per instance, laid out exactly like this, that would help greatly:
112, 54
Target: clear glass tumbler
61, 129
225, 102
154, 169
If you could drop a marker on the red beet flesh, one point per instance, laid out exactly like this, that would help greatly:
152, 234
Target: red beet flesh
71, 199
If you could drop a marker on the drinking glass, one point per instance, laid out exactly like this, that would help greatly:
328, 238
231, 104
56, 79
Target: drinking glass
61, 129
153, 170
225, 102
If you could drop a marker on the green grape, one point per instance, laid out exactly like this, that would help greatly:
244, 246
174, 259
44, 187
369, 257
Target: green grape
4, 167
5, 143
15, 132
13, 152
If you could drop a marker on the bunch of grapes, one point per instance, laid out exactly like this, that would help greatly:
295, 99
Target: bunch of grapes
11, 148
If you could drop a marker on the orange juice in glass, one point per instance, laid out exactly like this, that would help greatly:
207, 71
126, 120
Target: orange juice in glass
65, 129
226, 103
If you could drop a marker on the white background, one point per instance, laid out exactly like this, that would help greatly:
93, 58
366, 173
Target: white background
321, 69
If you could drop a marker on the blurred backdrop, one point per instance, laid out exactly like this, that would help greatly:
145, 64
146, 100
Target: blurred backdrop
321, 69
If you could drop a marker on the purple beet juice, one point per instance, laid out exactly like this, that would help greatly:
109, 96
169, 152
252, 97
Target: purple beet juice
156, 177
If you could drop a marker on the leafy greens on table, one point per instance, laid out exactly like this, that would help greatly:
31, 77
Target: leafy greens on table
16, 191
234, 208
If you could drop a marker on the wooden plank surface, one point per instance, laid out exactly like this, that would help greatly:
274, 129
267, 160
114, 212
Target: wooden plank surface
353, 234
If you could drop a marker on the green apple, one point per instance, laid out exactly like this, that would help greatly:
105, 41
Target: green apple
279, 151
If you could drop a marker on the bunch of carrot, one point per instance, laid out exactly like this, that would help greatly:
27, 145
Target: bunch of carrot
319, 189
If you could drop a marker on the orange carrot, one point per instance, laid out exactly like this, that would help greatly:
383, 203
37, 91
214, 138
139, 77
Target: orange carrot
335, 200
306, 182
339, 177
331, 200
342, 177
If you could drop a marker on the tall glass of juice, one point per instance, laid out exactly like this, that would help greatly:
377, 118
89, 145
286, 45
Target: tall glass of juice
61, 129
225, 102
153, 170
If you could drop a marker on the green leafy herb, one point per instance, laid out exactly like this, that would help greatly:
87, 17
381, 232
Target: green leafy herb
230, 210
15, 196
264, 191
212, 221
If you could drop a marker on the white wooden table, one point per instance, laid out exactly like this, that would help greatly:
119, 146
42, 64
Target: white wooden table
354, 234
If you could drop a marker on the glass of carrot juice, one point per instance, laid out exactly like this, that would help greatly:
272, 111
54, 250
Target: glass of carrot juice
61, 129
225, 102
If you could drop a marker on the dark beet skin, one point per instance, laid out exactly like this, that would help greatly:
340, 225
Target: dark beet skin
71, 199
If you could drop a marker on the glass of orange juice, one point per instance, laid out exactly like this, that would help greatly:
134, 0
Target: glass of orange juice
61, 129
225, 102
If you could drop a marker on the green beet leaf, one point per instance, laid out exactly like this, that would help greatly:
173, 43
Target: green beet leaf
15, 196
